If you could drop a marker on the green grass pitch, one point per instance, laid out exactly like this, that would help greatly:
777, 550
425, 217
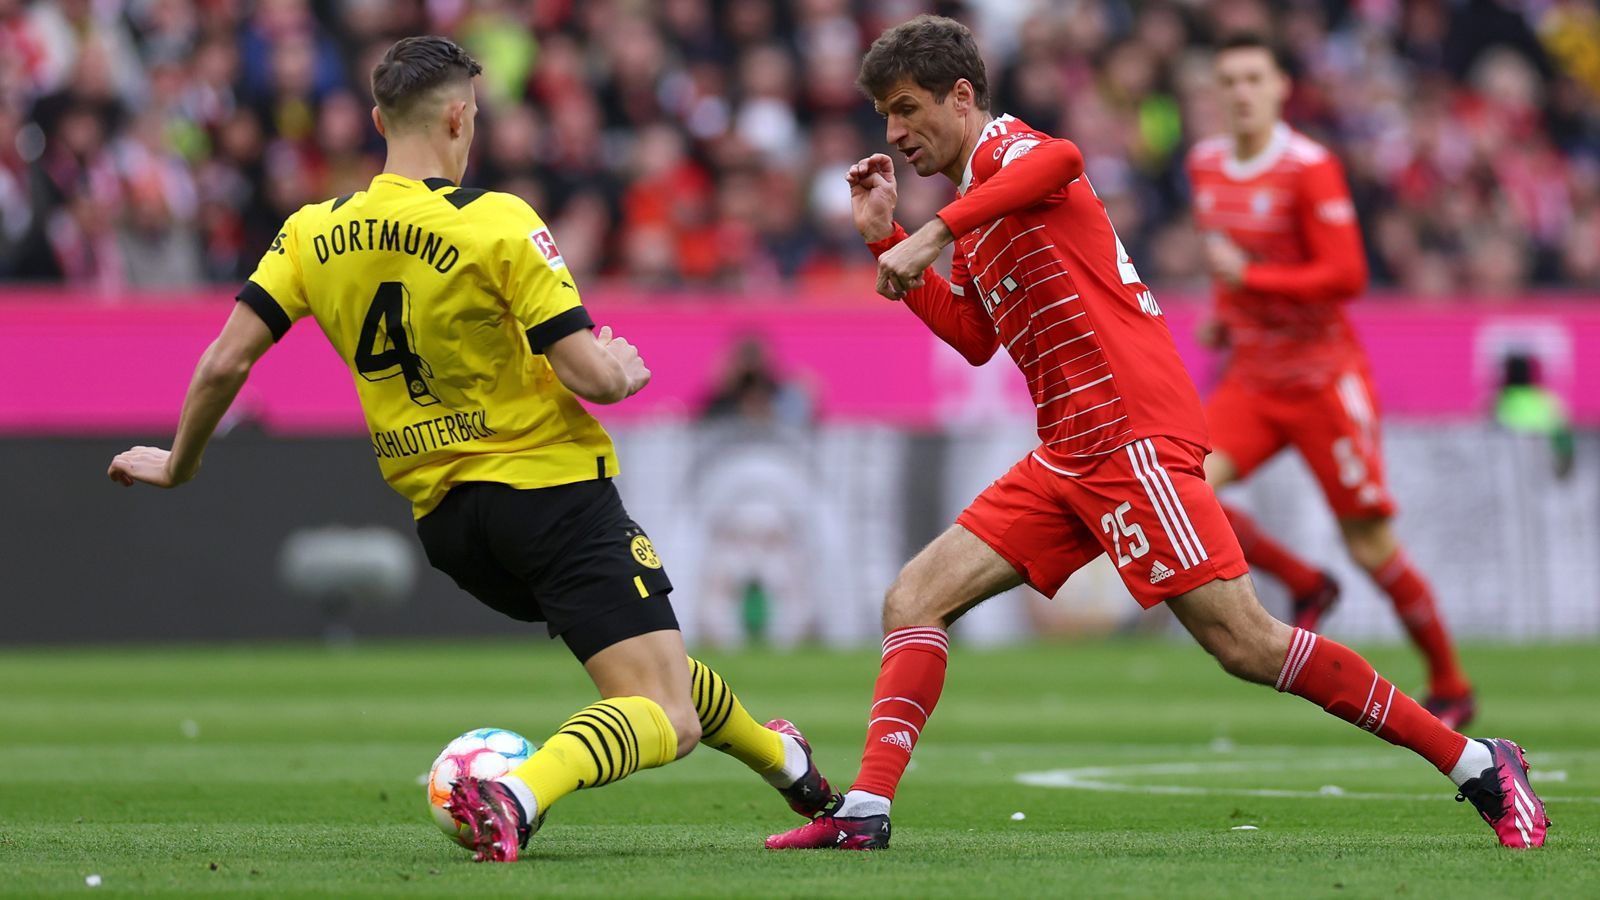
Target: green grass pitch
292, 771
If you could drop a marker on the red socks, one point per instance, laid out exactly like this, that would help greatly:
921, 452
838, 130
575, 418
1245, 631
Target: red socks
1264, 553
1413, 603
1337, 679
908, 687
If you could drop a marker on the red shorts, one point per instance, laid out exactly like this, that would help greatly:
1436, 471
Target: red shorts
1147, 505
1335, 428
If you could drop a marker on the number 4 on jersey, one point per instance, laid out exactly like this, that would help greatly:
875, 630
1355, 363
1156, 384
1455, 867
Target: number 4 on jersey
384, 349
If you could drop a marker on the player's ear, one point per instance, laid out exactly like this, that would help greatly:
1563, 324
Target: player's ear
456, 117
377, 122
961, 95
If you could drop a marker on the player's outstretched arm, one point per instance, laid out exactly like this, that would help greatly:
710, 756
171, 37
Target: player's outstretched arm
600, 368
218, 376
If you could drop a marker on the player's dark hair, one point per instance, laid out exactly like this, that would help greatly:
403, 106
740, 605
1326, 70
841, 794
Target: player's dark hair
416, 65
1250, 40
933, 52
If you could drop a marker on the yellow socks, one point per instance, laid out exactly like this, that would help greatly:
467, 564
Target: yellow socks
610, 740
725, 726
602, 743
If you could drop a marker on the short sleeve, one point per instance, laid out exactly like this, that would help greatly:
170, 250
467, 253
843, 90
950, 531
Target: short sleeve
276, 290
538, 285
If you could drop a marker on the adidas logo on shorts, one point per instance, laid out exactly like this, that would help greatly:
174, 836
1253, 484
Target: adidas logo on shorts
1159, 573
901, 739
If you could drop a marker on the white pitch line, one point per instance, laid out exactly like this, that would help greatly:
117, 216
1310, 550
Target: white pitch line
1095, 778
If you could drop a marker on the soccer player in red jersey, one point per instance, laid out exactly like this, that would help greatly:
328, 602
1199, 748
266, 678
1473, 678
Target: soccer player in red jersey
1285, 250
1039, 271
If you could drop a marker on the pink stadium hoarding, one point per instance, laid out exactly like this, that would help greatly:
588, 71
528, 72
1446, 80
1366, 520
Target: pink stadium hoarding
75, 367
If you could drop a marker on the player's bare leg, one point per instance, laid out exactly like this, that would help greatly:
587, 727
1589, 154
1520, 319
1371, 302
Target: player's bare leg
1228, 621
950, 576
656, 705
1372, 544
1312, 591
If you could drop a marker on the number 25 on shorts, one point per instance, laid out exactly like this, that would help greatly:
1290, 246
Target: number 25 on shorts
1116, 524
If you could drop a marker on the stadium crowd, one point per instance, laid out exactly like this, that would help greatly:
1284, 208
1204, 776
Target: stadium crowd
701, 143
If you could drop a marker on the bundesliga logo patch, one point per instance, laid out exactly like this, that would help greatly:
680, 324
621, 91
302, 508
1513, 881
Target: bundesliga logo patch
547, 248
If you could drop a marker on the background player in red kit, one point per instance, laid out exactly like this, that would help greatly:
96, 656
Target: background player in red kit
1039, 270
1286, 252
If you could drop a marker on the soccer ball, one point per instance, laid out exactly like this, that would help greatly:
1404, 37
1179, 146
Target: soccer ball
482, 753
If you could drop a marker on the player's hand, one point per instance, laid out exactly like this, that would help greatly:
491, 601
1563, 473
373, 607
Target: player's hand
628, 355
872, 196
1225, 260
902, 266
145, 465
1212, 334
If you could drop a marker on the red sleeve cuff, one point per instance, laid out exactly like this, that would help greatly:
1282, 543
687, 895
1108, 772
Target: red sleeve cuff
953, 219
879, 247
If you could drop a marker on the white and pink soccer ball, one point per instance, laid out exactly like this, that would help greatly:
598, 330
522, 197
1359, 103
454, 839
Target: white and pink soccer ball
482, 753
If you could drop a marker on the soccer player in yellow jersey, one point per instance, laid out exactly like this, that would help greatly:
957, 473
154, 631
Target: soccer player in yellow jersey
469, 347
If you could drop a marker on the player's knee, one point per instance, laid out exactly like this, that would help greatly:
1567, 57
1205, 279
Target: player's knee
1371, 542
1245, 650
905, 604
686, 723
1219, 469
1233, 655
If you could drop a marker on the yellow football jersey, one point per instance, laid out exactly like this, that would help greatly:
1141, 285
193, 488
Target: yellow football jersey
442, 301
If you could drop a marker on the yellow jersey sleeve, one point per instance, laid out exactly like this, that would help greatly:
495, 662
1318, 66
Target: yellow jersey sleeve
535, 279
276, 290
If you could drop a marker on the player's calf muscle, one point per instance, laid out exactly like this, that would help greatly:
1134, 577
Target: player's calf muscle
1370, 541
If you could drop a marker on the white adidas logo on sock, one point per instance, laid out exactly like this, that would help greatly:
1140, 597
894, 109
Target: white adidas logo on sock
1160, 572
901, 739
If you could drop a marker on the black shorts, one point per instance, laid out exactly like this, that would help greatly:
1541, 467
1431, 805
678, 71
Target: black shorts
567, 555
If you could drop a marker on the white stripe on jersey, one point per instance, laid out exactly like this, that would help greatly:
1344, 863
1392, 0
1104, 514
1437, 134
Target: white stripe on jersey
985, 236
1079, 388
1090, 431
1024, 256
1001, 255
1059, 366
1043, 309
1060, 381
1062, 322
1040, 460
1080, 412
1037, 359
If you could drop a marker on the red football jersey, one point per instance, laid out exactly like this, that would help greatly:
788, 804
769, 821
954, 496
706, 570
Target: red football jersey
1289, 210
1039, 269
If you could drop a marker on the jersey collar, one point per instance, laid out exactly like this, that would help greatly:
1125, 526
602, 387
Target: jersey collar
1005, 121
432, 184
1244, 169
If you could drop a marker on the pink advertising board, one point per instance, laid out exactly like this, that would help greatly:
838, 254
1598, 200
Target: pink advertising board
74, 366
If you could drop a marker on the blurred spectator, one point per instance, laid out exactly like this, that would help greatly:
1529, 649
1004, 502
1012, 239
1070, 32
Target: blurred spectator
750, 391
1525, 406
686, 143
